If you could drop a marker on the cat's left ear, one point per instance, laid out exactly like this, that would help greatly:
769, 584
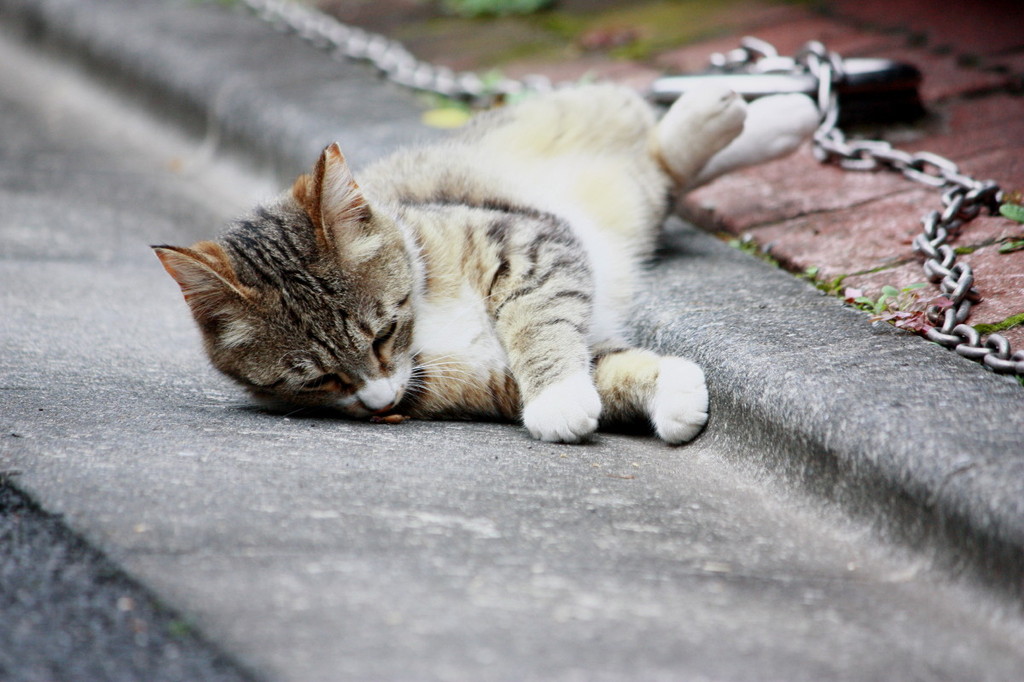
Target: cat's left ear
335, 204
206, 278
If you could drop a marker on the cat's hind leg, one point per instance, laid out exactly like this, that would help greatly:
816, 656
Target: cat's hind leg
697, 126
591, 119
669, 392
775, 127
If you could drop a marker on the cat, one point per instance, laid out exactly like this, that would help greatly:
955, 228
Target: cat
487, 276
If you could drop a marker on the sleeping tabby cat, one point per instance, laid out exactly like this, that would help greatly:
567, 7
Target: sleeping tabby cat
488, 276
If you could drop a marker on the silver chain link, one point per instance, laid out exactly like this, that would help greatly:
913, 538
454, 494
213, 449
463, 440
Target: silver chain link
390, 57
963, 197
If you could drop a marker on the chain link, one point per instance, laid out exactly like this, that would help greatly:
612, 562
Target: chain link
963, 197
389, 57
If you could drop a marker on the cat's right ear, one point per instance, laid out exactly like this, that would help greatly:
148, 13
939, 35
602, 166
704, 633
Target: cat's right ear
336, 206
207, 279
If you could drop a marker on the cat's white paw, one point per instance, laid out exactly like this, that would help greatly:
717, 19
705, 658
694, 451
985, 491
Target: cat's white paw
717, 114
564, 412
680, 405
709, 117
697, 126
781, 123
775, 127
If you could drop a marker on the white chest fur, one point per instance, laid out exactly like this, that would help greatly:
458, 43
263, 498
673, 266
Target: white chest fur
458, 330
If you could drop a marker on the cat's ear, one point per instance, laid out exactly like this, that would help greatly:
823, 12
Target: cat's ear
336, 206
206, 278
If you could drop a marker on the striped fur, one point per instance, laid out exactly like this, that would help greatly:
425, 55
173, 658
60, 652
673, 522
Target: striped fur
486, 277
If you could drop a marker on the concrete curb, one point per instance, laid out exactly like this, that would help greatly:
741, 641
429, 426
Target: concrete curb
921, 442
225, 77
924, 444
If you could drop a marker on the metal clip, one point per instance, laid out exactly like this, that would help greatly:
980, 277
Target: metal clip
876, 90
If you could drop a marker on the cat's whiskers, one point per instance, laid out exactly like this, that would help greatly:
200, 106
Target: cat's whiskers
416, 389
417, 357
439, 369
464, 381
449, 362
447, 368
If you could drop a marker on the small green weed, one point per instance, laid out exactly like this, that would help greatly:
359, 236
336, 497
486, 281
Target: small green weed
1012, 244
179, 629
1013, 206
832, 287
479, 8
890, 299
901, 308
747, 245
811, 273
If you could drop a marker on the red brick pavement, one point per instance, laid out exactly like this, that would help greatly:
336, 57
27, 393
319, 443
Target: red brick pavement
860, 225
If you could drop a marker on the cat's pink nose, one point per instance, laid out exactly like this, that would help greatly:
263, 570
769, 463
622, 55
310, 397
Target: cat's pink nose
382, 410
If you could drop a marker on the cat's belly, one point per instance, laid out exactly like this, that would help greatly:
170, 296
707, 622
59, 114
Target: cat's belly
610, 240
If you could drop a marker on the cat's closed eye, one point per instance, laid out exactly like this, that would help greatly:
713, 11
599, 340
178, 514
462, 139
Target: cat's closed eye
332, 382
385, 335
382, 345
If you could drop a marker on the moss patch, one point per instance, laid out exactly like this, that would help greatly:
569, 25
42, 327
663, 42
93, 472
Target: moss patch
1008, 323
652, 26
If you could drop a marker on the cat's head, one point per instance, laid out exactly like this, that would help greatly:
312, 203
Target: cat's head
309, 300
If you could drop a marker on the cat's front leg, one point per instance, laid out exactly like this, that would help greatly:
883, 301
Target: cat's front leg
542, 307
548, 356
566, 411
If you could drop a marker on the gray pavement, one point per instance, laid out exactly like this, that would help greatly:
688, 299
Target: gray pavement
853, 511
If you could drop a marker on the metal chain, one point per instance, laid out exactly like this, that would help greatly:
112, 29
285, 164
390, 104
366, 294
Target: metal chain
963, 197
344, 42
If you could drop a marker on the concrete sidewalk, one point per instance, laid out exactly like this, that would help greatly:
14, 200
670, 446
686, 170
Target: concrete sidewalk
808, 534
